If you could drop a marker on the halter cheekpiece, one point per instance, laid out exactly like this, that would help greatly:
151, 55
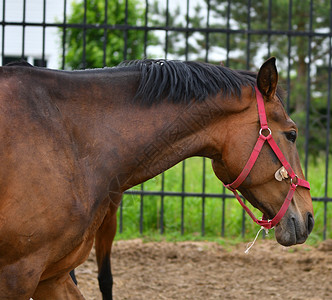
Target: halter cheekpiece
295, 181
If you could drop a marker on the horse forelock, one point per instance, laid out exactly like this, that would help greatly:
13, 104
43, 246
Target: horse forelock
183, 81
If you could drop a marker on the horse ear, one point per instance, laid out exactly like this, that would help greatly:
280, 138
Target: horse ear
267, 78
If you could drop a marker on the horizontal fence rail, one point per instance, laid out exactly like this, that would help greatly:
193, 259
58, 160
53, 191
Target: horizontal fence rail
239, 34
175, 29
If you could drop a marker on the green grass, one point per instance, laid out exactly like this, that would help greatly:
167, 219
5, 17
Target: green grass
213, 206
316, 177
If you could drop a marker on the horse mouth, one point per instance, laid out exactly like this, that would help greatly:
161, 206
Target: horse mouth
287, 236
291, 230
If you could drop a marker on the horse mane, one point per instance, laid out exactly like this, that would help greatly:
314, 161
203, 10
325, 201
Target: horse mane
183, 81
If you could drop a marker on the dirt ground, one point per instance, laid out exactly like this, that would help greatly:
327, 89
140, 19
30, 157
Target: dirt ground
206, 270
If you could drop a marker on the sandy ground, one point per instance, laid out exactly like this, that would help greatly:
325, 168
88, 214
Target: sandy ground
205, 270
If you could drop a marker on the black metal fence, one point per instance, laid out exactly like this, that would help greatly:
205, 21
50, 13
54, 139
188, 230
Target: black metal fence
237, 33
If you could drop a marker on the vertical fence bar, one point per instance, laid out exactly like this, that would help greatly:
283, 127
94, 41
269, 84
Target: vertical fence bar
207, 35
105, 32
328, 124
308, 99
64, 34
125, 33
146, 16
166, 30
121, 216
269, 26
141, 210
162, 203
3, 31
44, 34
23, 29
84, 36
289, 49
228, 43
248, 34
223, 207
203, 197
187, 32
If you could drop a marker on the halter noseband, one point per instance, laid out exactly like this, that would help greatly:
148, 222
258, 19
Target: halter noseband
295, 181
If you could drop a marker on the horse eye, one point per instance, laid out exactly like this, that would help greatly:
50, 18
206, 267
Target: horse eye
291, 136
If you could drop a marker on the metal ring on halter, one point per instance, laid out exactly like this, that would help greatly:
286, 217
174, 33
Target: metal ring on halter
297, 180
270, 132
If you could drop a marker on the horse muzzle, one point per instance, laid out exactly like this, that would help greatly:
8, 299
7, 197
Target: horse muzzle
294, 229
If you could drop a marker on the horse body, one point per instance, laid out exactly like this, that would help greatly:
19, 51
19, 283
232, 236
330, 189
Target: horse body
73, 142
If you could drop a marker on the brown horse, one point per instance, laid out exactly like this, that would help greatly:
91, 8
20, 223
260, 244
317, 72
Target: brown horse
73, 142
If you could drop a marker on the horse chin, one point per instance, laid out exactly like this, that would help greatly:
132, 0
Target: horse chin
290, 231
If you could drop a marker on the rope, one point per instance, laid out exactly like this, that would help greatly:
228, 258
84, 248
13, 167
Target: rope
253, 242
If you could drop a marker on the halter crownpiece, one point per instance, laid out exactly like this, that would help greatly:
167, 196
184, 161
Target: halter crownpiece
295, 181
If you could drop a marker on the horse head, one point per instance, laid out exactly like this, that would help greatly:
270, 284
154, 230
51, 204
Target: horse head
261, 181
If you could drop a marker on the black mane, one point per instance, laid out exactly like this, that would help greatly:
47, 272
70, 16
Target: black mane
182, 81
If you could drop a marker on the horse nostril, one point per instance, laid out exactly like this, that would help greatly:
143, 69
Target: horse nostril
310, 222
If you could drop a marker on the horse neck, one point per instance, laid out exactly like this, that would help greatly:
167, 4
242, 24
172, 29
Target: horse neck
129, 143
169, 134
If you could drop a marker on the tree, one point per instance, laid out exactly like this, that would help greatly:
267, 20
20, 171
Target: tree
92, 46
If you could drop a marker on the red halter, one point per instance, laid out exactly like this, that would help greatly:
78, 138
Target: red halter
294, 179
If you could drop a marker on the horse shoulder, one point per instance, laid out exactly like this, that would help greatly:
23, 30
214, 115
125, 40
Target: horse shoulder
39, 177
